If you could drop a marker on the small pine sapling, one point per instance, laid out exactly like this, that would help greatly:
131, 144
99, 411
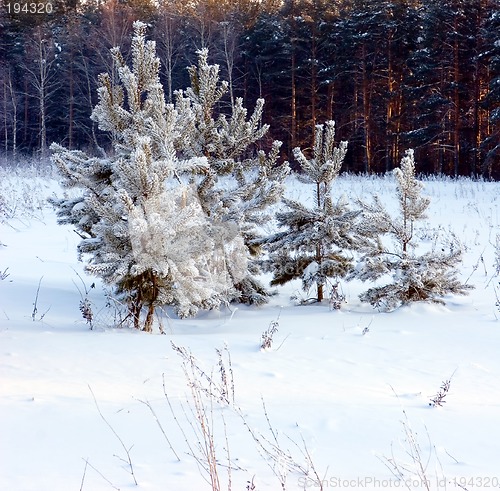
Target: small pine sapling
426, 277
127, 198
314, 243
154, 219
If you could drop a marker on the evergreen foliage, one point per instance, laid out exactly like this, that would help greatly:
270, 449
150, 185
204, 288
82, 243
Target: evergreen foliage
315, 242
154, 218
238, 186
414, 277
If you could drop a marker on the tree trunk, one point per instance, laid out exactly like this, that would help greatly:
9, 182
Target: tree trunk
229, 54
14, 118
293, 104
5, 120
366, 114
456, 102
71, 109
319, 252
314, 80
26, 111
293, 68
148, 324
389, 136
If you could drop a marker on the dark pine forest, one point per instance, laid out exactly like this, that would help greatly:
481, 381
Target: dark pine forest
393, 74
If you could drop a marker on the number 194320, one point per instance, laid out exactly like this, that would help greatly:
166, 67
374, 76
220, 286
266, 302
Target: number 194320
29, 7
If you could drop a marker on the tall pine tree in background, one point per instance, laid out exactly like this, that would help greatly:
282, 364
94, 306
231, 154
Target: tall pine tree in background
266, 53
491, 102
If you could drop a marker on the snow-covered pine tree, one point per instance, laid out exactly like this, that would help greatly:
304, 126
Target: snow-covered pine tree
239, 184
142, 226
315, 243
154, 220
414, 277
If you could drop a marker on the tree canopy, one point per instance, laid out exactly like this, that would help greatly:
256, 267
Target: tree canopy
392, 74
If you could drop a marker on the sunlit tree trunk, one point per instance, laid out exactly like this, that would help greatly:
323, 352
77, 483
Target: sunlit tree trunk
229, 37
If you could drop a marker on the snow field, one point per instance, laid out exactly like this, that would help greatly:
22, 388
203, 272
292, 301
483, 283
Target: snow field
343, 392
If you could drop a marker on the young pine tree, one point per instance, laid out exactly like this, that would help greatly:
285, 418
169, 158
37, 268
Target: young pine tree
315, 242
238, 186
154, 219
414, 277
132, 221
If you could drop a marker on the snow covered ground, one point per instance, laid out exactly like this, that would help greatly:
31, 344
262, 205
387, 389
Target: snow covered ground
352, 401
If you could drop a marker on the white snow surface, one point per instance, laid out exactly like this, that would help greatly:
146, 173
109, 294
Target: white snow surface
327, 390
